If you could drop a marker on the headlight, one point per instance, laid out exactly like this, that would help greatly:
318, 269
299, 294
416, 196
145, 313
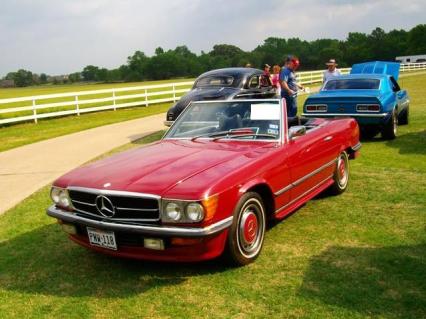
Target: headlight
195, 212
176, 211
60, 197
173, 211
54, 194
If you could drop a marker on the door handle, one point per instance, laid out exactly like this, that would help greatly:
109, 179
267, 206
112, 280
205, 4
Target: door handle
328, 138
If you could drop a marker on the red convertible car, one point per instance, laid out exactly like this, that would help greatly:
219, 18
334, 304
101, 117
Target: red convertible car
209, 186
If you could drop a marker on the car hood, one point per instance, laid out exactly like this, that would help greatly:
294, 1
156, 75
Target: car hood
158, 167
377, 67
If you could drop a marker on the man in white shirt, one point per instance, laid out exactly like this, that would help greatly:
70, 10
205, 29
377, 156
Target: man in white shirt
331, 71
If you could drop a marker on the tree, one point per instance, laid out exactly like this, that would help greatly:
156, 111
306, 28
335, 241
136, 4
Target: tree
21, 77
43, 78
90, 73
417, 40
74, 77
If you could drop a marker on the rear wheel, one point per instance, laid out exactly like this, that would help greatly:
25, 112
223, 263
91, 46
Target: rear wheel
390, 129
245, 237
403, 117
341, 175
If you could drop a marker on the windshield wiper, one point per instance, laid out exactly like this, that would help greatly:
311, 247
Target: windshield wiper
221, 133
244, 135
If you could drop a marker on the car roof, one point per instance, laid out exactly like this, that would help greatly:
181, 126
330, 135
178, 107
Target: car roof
235, 72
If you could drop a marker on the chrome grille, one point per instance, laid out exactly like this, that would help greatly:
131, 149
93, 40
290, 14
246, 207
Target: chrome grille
128, 206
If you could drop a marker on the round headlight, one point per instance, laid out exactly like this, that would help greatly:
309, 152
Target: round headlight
173, 211
64, 200
54, 194
195, 212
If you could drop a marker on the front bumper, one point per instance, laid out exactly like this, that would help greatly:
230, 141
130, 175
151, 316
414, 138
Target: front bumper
164, 231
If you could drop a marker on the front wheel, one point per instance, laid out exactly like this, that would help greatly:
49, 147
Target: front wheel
390, 129
245, 237
341, 175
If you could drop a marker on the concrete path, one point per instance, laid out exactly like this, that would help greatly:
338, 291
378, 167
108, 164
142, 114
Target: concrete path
26, 169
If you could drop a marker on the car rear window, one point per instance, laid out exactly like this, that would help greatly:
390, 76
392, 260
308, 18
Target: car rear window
215, 80
352, 84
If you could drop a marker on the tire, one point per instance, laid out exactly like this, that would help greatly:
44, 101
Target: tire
389, 131
246, 235
403, 117
341, 175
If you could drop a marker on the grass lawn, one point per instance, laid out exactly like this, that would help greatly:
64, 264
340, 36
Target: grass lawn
65, 88
358, 255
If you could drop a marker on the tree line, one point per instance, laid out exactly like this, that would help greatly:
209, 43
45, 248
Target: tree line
181, 62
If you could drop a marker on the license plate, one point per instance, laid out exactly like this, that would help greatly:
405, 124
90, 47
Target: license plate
102, 238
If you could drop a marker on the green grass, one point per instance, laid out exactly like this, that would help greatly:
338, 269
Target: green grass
358, 255
49, 89
15, 135
66, 88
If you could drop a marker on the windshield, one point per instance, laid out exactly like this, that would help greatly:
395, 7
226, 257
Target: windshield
352, 84
215, 80
229, 119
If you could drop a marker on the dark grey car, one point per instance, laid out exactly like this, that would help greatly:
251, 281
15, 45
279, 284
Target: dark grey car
225, 84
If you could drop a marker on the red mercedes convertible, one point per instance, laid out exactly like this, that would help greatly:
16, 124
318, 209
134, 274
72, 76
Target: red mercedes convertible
209, 186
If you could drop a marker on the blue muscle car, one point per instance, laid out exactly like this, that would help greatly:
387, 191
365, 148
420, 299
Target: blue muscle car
370, 94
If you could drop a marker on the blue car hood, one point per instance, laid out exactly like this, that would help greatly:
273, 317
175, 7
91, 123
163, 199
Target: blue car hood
377, 67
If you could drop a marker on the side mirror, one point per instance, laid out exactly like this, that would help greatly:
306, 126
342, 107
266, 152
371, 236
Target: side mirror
296, 131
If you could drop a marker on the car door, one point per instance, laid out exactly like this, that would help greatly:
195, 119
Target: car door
311, 161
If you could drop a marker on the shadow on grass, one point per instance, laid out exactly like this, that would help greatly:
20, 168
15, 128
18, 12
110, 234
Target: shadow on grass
372, 281
45, 262
411, 143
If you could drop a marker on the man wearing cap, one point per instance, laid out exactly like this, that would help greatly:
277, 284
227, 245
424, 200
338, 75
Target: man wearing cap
331, 71
289, 86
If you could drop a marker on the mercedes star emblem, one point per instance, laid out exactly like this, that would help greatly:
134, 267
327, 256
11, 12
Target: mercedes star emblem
105, 206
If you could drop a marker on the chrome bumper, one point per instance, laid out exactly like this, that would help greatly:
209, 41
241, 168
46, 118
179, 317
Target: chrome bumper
356, 147
345, 114
168, 123
71, 217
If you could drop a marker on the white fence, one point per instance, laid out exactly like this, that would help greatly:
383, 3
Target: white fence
310, 77
79, 102
32, 108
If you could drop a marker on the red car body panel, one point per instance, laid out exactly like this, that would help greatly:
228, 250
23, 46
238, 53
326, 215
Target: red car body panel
194, 170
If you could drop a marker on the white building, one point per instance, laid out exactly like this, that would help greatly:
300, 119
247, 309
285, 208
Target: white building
411, 58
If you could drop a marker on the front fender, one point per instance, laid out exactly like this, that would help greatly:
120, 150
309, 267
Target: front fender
252, 183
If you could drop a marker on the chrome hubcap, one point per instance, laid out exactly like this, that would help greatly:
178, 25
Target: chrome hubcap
395, 124
251, 228
342, 172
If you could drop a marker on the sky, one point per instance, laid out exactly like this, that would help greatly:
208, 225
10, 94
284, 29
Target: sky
63, 36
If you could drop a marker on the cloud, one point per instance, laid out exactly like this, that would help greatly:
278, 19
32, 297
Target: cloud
60, 36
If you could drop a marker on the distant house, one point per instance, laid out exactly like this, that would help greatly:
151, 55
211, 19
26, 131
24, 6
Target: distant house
411, 58
7, 83
57, 78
